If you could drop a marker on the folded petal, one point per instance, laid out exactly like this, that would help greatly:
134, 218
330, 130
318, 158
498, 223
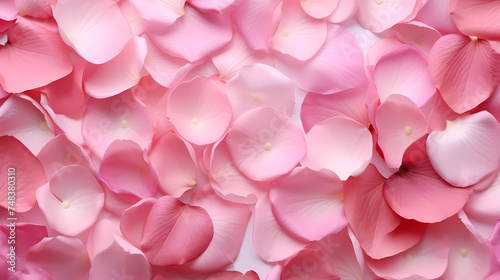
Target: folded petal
265, 143
379, 15
32, 51
339, 144
417, 34
133, 219
35, 8
345, 10
298, 35
175, 233
96, 29
102, 235
484, 203
477, 18
417, 192
380, 231
161, 12
71, 201
269, 240
212, 5
260, 85
174, 165
436, 13
118, 74
467, 150
466, 71
22, 174
196, 34
311, 213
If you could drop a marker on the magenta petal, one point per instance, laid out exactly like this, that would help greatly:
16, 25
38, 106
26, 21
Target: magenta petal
311, 213
380, 231
466, 71
22, 174
477, 17
175, 233
417, 192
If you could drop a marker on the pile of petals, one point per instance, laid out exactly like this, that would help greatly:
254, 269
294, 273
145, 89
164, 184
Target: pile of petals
346, 139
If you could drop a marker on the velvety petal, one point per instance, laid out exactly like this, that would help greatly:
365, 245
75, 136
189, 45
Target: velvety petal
466, 71
62, 257
96, 29
71, 201
311, 213
477, 18
484, 203
212, 5
257, 21
379, 15
207, 33
120, 261
269, 240
339, 144
21, 175
467, 150
265, 143
298, 35
119, 117
436, 13
399, 123
403, 70
125, 168
32, 51
160, 12
118, 74
260, 85
336, 67
380, 231
35, 8
175, 233
229, 221
133, 219
319, 8
417, 192
417, 34
199, 110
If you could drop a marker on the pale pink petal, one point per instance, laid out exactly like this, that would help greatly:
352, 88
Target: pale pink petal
118, 74
199, 110
492, 105
71, 201
117, 203
167, 70
133, 219
228, 182
336, 67
22, 174
234, 275
339, 144
311, 213
260, 85
417, 34
417, 192
212, 5
477, 17
403, 70
154, 96
349, 103
465, 70
160, 12
32, 51
379, 48
62, 257
102, 235
494, 276
119, 117
196, 34
8, 10
125, 168
265, 143
436, 13
345, 254
298, 35
174, 165
467, 150
62, 151
345, 10
229, 220
96, 29
235, 56
35, 8
319, 8
257, 21
132, 15
427, 259
484, 203
399, 123
379, 15
175, 233
308, 265
269, 240
380, 231
120, 261
494, 240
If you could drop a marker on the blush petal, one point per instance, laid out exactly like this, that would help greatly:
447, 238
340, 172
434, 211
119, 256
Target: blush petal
160, 12
476, 18
35, 8
133, 219
484, 203
319, 8
378, 16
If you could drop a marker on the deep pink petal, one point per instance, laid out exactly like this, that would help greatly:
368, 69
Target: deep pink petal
466, 71
477, 17
175, 233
